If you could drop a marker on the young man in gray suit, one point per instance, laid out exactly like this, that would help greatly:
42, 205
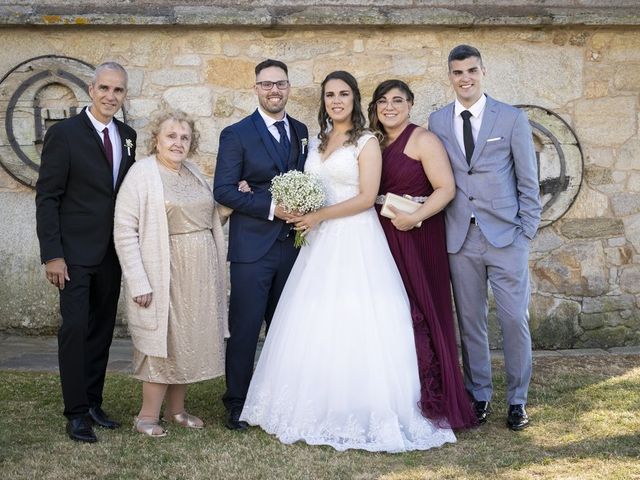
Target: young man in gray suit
490, 224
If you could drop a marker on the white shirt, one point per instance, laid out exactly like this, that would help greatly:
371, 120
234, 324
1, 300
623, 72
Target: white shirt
116, 142
271, 125
477, 111
273, 130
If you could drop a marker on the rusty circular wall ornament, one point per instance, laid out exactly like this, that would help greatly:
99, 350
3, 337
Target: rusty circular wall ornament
560, 162
33, 96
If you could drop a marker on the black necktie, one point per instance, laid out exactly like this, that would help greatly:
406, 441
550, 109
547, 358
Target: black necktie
284, 140
467, 134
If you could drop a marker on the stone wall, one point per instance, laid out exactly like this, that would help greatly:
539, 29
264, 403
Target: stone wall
585, 265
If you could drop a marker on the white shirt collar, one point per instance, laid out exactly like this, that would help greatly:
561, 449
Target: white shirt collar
98, 125
270, 120
475, 109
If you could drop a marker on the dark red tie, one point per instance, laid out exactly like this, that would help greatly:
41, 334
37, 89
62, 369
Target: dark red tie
108, 149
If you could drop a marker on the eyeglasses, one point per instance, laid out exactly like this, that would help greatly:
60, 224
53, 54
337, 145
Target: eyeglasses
395, 101
267, 85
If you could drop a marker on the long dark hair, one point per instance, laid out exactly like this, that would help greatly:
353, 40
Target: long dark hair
357, 117
374, 122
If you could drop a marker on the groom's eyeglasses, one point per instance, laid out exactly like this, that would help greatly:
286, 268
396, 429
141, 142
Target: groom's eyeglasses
267, 85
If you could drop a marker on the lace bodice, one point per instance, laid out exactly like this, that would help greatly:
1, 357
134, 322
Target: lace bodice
339, 171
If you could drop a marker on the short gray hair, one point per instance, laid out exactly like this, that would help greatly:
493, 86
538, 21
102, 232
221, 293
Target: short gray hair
109, 66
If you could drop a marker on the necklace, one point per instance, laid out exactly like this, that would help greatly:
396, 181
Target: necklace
170, 166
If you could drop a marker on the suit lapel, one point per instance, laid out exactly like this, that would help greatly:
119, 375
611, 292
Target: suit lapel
95, 135
267, 139
126, 157
296, 143
452, 133
488, 120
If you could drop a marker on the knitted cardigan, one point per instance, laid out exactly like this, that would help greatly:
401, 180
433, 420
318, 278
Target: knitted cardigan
141, 236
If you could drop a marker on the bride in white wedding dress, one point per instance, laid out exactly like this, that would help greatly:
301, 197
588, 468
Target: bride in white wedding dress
339, 366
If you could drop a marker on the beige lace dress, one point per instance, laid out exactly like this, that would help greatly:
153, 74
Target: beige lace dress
194, 337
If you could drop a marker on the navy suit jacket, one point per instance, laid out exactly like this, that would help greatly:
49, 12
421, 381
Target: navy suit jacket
249, 152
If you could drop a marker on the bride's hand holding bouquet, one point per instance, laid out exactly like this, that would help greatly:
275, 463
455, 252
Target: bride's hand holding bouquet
299, 195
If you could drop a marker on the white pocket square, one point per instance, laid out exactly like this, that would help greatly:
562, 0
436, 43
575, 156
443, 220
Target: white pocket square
495, 139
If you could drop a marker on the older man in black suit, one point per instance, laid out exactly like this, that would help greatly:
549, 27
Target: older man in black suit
84, 160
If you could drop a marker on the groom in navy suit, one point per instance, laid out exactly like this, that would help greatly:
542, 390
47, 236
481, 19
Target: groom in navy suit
256, 149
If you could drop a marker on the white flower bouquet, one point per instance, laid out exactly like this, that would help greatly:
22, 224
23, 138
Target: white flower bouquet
297, 192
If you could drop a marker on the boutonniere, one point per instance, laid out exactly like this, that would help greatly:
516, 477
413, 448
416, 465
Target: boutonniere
303, 142
129, 145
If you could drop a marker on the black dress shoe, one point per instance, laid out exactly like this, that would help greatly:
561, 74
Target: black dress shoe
233, 420
100, 418
482, 409
517, 418
80, 430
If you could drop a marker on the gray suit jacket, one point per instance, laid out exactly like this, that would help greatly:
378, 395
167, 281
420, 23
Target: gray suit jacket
500, 187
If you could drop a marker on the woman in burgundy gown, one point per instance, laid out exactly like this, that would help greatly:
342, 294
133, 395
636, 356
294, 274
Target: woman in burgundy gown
416, 164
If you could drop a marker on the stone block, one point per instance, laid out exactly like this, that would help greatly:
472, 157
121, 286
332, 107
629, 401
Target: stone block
574, 269
209, 129
223, 107
207, 42
626, 203
187, 59
135, 79
617, 242
553, 322
602, 157
142, 107
193, 100
592, 321
607, 303
632, 230
605, 121
231, 73
623, 48
628, 155
630, 279
592, 227
300, 74
589, 203
605, 337
546, 240
619, 255
633, 182
627, 77
548, 90
596, 175
174, 76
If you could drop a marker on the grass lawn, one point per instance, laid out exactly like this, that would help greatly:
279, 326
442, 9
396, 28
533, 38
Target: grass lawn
585, 415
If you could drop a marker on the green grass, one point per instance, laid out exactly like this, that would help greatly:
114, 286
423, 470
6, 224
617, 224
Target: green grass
585, 425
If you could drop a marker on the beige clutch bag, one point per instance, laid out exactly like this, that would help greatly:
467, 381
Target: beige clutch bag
400, 203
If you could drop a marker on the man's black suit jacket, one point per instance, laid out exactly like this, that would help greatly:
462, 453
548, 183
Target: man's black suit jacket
75, 196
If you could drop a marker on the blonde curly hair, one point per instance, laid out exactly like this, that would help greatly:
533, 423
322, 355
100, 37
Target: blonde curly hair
179, 116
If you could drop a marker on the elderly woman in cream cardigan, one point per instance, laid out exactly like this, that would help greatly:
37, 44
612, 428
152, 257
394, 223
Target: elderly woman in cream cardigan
169, 240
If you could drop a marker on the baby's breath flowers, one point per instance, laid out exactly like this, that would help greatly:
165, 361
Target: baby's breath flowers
299, 192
